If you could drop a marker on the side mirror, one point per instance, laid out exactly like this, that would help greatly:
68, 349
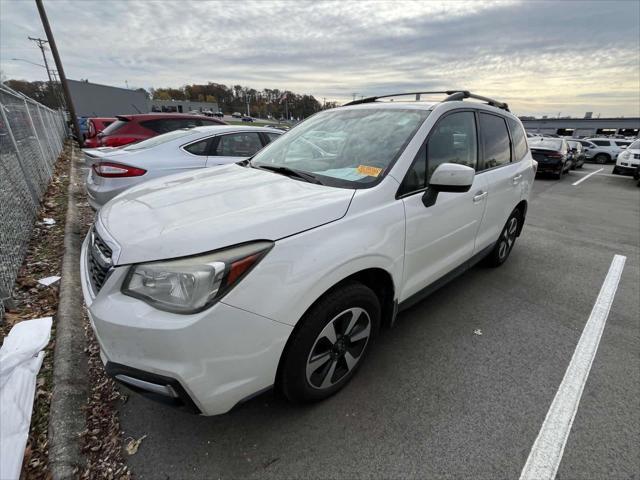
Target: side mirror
448, 177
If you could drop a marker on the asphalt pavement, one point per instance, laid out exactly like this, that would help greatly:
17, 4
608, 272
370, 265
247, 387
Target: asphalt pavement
437, 400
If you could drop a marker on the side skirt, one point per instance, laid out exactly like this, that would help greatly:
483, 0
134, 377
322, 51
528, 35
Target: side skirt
428, 290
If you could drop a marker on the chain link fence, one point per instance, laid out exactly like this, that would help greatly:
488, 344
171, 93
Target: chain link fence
31, 139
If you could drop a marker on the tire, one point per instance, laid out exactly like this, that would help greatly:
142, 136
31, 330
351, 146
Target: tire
615, 171
506, 241
601, 158
558, 175
322, 355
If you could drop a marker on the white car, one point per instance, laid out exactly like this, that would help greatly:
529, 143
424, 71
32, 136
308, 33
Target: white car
606, 149
208, 287
628, 160
113, 170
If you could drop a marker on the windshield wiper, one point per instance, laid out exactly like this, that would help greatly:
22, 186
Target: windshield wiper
290, 172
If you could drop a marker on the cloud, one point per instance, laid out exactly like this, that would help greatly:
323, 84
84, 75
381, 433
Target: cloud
540, 57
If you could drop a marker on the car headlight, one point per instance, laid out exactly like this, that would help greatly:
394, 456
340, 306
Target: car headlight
192, 284
624, 155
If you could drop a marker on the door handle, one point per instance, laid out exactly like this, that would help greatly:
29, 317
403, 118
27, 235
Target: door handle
516, 179
479, 196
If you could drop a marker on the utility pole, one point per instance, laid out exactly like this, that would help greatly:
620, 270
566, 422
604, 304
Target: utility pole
63, 77
41, 44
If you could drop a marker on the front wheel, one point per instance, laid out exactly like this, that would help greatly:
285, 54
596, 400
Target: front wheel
615, 171
505, 243
333, 339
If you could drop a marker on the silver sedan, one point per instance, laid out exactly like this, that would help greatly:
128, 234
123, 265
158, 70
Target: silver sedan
115, 170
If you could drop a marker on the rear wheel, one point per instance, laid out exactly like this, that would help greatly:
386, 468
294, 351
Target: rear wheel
601, 158
507, 239
331, 343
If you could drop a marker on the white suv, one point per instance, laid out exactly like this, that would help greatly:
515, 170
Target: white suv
207, 287
628, 160
606, 149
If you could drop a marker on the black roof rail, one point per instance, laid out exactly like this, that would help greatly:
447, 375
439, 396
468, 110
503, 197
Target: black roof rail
452, 95
461, 95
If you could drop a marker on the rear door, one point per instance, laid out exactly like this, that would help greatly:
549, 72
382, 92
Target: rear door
233, 147
504, 177
441, 237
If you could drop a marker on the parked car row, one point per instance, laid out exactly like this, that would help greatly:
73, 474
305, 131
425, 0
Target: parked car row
211, 285
117, 169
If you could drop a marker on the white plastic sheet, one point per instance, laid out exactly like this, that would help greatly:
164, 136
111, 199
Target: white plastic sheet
21, 356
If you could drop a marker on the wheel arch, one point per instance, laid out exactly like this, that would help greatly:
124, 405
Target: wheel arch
522, 207
377, 279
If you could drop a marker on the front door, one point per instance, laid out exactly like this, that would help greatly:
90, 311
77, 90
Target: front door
441, 237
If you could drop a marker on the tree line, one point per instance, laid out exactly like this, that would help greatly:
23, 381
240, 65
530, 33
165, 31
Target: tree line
237, 98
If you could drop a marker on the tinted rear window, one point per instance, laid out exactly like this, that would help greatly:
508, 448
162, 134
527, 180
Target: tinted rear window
114, 127
549, 143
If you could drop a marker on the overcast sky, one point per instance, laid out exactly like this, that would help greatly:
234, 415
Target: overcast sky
540, 57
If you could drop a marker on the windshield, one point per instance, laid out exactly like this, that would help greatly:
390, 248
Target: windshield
344, 147
159, 139
635, 145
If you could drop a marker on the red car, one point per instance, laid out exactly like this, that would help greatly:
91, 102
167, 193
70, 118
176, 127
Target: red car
133, 128
94, 127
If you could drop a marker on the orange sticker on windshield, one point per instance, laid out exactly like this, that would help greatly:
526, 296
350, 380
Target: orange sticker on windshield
370, 171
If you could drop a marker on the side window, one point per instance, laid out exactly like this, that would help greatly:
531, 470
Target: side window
495, 140
198, 148
519, 139
238, 145
602, 143
453, 140
272, 136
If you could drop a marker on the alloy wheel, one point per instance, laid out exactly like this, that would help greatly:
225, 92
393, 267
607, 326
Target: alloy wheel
508, 237
338, 348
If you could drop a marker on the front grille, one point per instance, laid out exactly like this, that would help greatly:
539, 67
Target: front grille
636, 155
99, 261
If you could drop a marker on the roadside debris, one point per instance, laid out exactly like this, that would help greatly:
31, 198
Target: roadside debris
21, 356
133, 445
48, 280
477, 331
48, 221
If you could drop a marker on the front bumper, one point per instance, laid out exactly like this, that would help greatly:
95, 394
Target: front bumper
627, 166
212, 360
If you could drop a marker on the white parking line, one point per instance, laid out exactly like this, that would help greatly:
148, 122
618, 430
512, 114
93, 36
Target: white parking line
584, 178
547, 450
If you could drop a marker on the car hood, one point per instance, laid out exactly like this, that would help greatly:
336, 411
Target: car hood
207, 209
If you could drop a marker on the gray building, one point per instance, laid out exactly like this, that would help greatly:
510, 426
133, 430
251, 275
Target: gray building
584, 127
183, 106
95, 100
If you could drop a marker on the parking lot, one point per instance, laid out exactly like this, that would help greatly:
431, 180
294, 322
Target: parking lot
437, 399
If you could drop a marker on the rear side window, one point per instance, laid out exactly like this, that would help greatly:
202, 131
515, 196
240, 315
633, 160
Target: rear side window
238, 145
623, 144
495, 141
199, 148
519, 139
453, 140
601, 143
